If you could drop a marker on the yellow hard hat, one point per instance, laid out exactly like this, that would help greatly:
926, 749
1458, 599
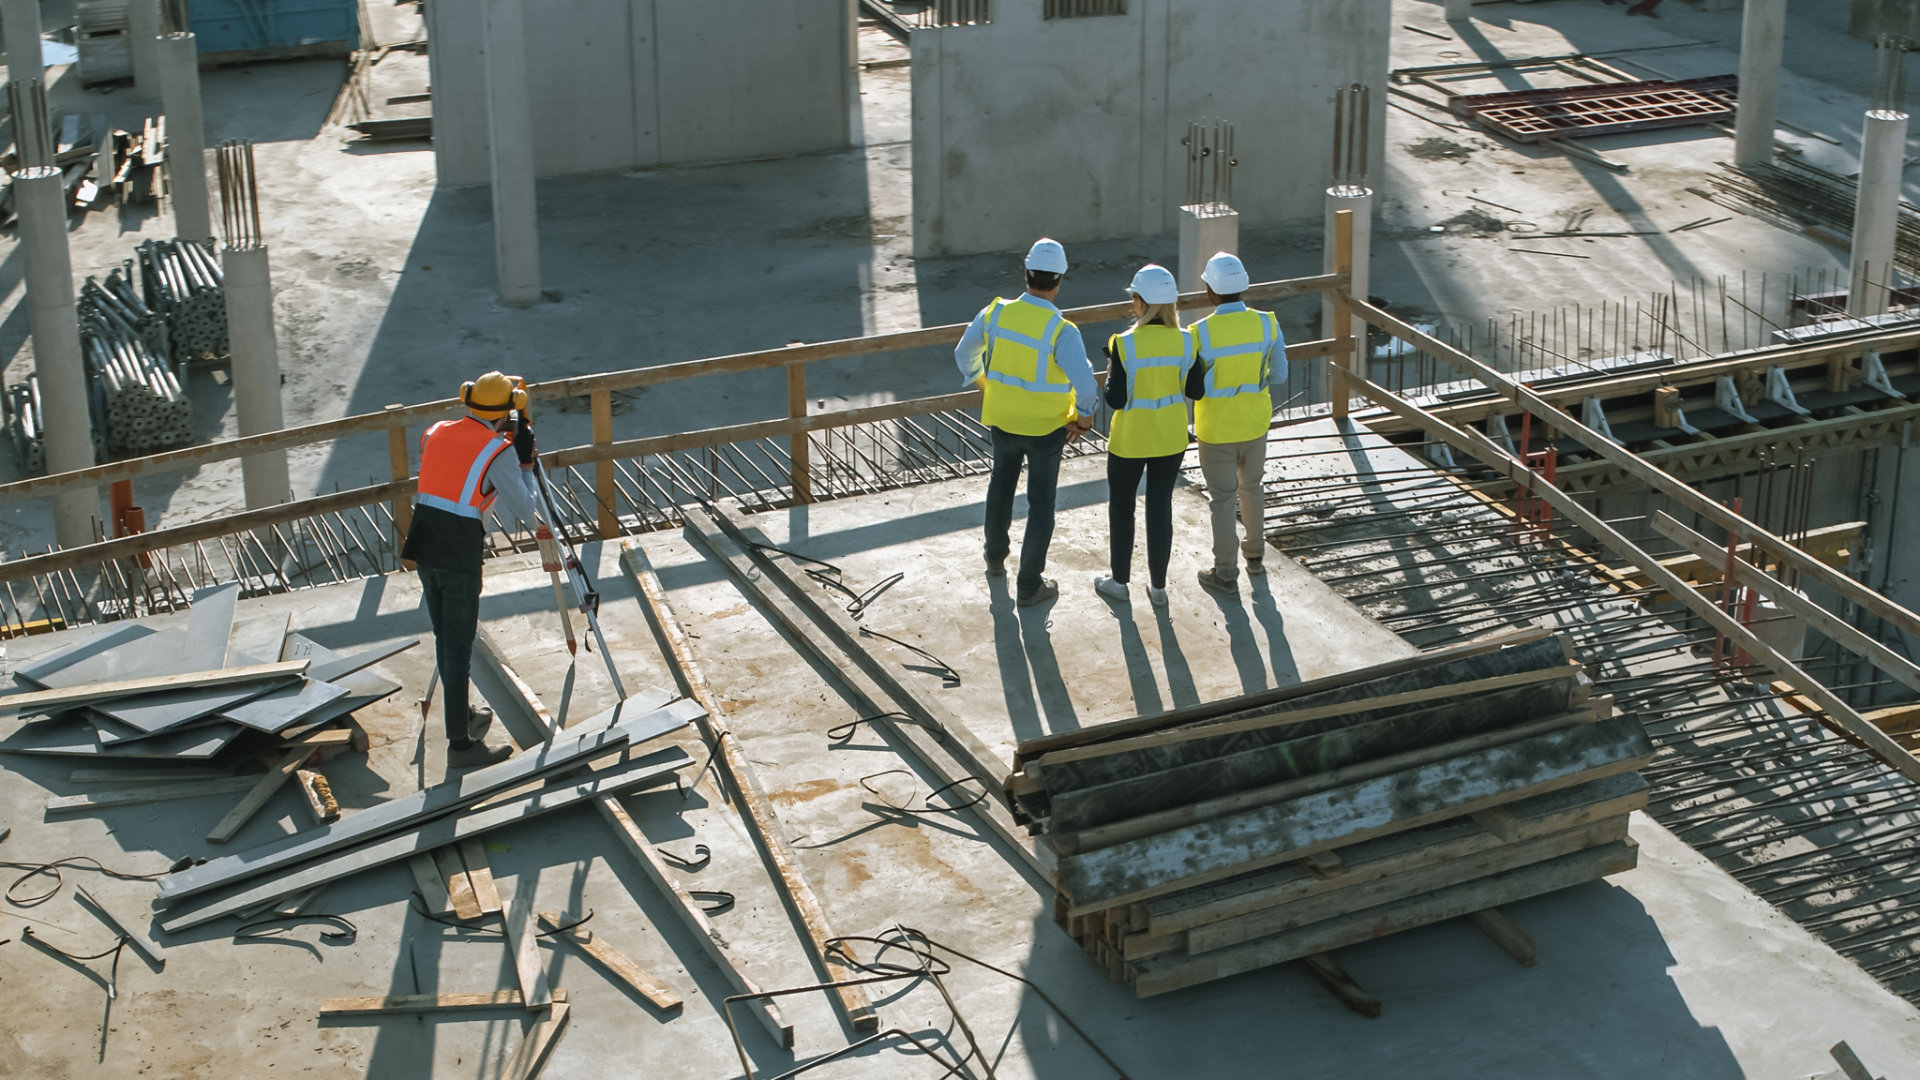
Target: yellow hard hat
493, 395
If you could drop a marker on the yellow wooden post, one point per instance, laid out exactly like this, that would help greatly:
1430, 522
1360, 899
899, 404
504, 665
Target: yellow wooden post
601, 402
797, 447
1341, 360
400, 466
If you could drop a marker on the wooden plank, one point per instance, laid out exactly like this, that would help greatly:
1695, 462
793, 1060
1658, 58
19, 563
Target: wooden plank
523, 948
1336, 980
410, 811
854, 1003
532, 1053
432, 887
1501, 930
1193, 813
1235, 844
257, 796
473, 854
866, 695
1161, 974
617, 963
74, 697
410, 1004
318, 795
96, 800
458, 887
322, 739
1849, 1062
1881, 657
695, 921
448, 829
1844, 715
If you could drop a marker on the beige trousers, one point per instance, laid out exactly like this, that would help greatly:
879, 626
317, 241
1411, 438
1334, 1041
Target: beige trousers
1232, 472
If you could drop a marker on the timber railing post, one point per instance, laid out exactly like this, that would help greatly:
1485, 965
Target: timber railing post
603, 488
797, 446
1340, 361
400, 466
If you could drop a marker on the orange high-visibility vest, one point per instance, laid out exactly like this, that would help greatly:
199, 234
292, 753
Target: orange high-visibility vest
454, 458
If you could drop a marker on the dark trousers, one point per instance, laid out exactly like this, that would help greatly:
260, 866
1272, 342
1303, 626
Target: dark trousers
453, 606
1041, 456
1123, 482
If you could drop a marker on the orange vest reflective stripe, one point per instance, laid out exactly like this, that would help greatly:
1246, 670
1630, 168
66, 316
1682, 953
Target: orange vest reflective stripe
454, 458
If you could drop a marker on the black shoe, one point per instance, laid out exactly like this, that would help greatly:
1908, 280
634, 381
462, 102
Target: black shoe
479, 720
476, 755
1047, 591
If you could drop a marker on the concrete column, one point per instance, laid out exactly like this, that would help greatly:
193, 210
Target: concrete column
1359, 200
1763, 30
143, 46
1876, 214
1459, 10
23, 39
186, 137
1206, 229
256, 370
42, 205
516, 218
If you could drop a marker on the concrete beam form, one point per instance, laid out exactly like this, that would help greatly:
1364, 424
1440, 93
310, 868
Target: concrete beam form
1763, 34
143, 47
41, 201
1459, 10
186, 137
1205, 230
24, 58
516, 217
1876, 214
256, 370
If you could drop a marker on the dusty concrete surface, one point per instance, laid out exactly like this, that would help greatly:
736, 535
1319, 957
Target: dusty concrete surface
1672, 969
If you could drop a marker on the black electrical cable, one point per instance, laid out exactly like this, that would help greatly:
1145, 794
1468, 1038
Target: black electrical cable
484, 931
344, 932
34, 870
928, 808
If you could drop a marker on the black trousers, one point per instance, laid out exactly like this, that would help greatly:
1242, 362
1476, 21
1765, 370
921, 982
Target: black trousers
1123, 482
1041, 456
453, 606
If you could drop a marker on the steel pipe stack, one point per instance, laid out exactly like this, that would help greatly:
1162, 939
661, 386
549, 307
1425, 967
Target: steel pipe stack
186, 287
145, 410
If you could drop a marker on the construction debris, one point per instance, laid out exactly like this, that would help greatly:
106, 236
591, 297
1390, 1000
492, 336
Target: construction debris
1199, 844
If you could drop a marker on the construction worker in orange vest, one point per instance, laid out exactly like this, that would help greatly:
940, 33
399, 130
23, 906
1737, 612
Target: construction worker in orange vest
1242, 356
1038, 394
469, 467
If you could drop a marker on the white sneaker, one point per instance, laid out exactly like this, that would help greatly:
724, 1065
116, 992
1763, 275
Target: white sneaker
1158, 596
1109, 588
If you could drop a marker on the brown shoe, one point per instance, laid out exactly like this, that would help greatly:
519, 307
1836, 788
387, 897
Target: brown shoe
476, 755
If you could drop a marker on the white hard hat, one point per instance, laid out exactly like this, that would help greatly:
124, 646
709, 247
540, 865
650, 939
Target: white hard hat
1047, 256
1154, 284
1224, 274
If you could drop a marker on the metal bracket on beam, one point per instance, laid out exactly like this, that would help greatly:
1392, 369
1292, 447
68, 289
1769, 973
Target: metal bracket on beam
1440, 454
1876, 374
1497, 431
1780, 393
1726, 398
1594, 415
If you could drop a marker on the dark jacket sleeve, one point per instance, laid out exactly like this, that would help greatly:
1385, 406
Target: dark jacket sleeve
1116, 378
1196, 381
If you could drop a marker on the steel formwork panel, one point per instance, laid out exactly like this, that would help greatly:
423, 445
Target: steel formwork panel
1602, 109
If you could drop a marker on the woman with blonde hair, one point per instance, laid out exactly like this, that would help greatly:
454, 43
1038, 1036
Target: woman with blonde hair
1147, 367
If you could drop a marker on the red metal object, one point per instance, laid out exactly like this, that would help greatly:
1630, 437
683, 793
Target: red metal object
1575, 112
1534, 514
128, 519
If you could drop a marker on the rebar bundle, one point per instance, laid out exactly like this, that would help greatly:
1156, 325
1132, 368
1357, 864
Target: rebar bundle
1800, 194
182, 282
28, 424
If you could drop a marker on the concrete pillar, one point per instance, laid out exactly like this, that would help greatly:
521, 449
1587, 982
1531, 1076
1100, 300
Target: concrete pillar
186, 137
1763, 30
516, 218
1459, 10
41, 202
24, 59
1358, 199
256, 370
143, 46
1876, 214
1206, 229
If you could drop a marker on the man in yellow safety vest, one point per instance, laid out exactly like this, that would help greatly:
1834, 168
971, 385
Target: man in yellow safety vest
1241, 356
1038, 395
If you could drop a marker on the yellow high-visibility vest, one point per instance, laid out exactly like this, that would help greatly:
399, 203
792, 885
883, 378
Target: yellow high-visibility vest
1153, 422
1026, 393
1233, 349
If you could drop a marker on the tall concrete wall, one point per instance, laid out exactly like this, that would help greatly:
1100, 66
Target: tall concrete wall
619, 84
1071, 127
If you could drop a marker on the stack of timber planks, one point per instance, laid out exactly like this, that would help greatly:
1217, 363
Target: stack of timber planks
1199, 844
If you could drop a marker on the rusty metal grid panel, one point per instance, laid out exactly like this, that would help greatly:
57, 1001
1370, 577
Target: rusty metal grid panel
1604, 109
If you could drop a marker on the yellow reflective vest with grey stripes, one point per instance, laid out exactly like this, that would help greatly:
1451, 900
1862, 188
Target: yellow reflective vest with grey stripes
1153, 422
1025, 392
1233, 347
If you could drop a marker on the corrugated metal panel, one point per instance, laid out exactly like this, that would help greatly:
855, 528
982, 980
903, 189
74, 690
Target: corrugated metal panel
272, 26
